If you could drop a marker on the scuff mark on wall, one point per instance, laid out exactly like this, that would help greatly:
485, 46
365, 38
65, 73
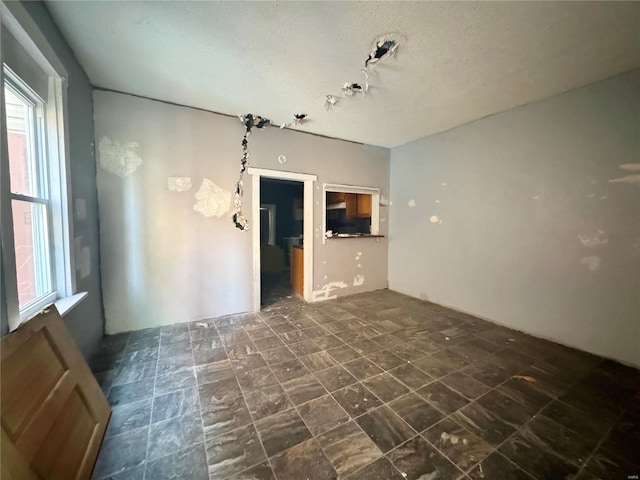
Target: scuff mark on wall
212, 201
435, 219
81, 208
358, 256
594, 239
358, 280
119, 159
325, 292
593, 262
179, 184
411, 203
633, 179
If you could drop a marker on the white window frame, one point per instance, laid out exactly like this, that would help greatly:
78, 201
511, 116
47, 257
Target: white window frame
26, 32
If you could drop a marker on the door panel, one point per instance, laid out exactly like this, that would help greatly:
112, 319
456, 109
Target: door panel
53, 412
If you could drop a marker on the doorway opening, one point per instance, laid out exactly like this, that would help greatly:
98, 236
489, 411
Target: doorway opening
282, 235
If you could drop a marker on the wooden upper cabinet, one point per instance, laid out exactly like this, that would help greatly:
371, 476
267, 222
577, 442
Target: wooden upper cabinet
364, 205
335, 197
351, 199
53, 412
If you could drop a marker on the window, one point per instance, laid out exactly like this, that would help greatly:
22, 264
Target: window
30, 199
350, 211
35, 226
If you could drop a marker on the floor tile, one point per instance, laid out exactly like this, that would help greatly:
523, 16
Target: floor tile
322, 414
289, 370
554, 437
381, 469
385, 428
356, 399
131, 392
416, 411
318, 361
122, 452
418, 460
256, 379
536, 461
411, 376
335, 378
135, 372
175, 363
457, 443
181, 347
187, 464
233, 452
203, 357
267, 401
278, 355
442, 397
213, 372
282, 431
488, 373
222, 406
483, 423
171, 435
497, 467
386, 387
259, 472
175, 404
385, 359
301, 461
304, 389
129, 416
343, 354
465, 385
507, 408
348, 448
175, 381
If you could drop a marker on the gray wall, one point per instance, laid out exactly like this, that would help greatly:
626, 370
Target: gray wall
86, 321
162, 261
534, 234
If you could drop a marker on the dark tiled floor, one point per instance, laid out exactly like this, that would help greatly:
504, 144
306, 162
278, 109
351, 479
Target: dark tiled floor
372, 386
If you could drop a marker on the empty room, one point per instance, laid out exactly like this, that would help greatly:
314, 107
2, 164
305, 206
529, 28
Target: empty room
290, 240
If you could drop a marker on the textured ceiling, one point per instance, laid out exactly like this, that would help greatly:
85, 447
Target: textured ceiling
461, 61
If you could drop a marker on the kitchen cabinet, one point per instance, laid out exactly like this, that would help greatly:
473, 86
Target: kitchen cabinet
297, 270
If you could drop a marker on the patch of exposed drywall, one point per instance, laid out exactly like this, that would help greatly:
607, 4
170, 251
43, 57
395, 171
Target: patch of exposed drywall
326, 292
358, 280
118, 158
633, 179
594, 239
212, 201
592, 262
179, 184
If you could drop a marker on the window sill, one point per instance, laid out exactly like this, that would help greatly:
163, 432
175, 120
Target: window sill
65, 305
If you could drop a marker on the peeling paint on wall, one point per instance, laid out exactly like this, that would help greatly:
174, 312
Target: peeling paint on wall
81, 208
212, 201
630, 179
411, 203
119, 159
358, 280
435, 219
358, 256
594, 239
325, 292
179, 184
593, 262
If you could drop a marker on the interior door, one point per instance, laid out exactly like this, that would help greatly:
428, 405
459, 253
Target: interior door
53, 412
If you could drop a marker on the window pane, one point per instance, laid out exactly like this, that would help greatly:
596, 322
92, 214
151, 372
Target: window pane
21, 142
33, 263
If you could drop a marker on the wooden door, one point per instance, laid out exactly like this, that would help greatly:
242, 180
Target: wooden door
53, 412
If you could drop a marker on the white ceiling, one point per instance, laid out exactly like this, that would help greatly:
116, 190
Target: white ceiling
461, 61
